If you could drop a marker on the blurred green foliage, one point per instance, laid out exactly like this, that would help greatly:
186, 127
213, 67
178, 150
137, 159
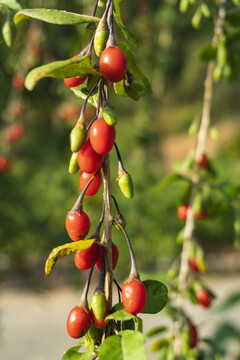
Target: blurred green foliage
37, 191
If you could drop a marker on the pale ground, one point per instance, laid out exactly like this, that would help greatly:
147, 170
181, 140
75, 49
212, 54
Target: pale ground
33, 324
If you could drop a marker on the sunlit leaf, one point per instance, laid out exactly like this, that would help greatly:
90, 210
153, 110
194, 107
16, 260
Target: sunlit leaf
133, 345
11, 4
53, 16
157, 296
61, 69
63, 250
72, 354
120, 315
112, 345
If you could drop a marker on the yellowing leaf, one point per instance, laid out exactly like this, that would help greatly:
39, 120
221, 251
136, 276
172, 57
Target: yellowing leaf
63, 250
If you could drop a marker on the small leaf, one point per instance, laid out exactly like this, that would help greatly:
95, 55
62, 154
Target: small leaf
117, 15
63, 250
112, 345
53, 16
159, 344
73, 349
230, 302
119, 88
120, 315
74, 355
157, 296
8, 33
61, 69
132, 66
170, 179
11, 4
82, 92
133, 345
156, 331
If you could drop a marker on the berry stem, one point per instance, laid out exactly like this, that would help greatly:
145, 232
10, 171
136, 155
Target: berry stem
107, 236
111, 39
199, 150
81, 116
95, 8
120, 163
119, 289
133, 273
77, 207
116, 205
83, 300
101, 278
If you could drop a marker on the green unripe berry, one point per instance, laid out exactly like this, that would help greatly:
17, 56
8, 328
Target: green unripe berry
102, 3
98, 305
126, 185
184, 6
73, 164
110, 116
205, 10
101, 37
217, 73
8, 33
77, 137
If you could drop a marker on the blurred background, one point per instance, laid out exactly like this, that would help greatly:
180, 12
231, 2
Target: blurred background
36, 190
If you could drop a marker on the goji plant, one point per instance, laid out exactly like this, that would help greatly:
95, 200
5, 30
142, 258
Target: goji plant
108, 330
204, 197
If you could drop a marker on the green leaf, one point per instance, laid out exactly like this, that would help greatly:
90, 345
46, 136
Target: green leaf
128, 345
157, 296
72, 354
81, 92
119, 88
170, 179
77, 347
155, 331
52, 16
112, 345
133, 345
231, 301
208, 53
63, 250
120, 315
132, 66
11, 4
117, 15
159, 344
61, 69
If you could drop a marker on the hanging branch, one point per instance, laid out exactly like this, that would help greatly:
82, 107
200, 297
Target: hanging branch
199, 151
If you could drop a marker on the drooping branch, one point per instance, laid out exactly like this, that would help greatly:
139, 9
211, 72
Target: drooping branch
199, 151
